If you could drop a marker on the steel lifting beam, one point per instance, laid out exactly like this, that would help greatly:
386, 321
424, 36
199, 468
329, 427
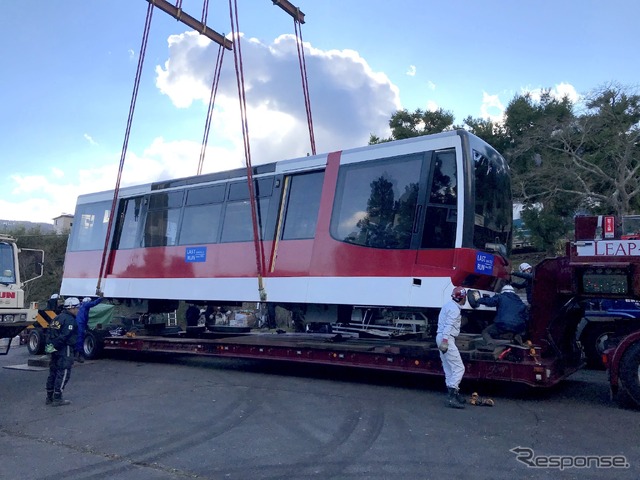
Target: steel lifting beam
188, 20
290, 9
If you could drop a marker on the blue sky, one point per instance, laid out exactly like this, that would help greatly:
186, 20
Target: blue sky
69, 69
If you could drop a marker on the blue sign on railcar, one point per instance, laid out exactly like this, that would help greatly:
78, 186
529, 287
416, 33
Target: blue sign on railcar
195, 254
484, 263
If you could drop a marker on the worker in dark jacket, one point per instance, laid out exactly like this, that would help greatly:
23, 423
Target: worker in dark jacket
526, 274
82, 319
61, 342
55, 304
192, 316
511, 316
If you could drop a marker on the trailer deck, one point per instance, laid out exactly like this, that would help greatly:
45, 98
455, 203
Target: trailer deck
508, 362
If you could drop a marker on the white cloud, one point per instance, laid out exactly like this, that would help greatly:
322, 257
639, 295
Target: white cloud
89, 139
431, 85
432, 106
349, 101
559, 91
491, 107
411, 71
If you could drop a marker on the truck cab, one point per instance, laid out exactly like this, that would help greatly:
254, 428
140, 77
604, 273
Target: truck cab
605, 271
14, 316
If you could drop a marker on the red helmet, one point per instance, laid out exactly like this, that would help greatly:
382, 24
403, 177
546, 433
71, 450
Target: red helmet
459, 294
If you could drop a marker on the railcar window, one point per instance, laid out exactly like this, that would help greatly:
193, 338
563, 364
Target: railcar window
200, 224
166, 200
240, 190
439, 228
128, 231
238, 225
161, 224
90, 226
441, 214
200, 196
493, 210
444, 184
161, 227
302, 207
375, 202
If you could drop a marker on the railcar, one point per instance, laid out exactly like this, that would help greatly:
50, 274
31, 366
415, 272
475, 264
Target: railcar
391, 226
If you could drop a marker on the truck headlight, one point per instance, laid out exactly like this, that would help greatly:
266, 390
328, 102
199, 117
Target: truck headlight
8, 318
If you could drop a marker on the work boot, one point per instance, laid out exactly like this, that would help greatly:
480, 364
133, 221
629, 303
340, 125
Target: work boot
58, 400
453, 398
79, 357
49, 399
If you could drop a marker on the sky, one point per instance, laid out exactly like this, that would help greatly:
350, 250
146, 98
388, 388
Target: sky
69, 66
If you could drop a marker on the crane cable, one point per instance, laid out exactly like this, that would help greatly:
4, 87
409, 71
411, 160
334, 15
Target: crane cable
237, 57
132, 106
305, 82
212, 99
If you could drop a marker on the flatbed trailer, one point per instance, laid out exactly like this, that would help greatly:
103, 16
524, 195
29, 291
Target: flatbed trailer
508, 362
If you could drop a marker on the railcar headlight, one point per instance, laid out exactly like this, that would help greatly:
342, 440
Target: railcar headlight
8, 318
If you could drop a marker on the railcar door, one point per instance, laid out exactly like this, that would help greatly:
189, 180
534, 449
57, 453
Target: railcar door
436, 224
129, 222
295, 232
435, 229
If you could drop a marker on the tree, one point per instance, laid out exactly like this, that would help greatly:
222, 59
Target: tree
405, 124
54, 247
601, 152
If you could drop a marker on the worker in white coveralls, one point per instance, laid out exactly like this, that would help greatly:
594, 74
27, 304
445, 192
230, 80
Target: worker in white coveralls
449, 322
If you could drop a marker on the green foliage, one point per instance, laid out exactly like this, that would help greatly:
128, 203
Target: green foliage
405, 124
546, 228
54, 247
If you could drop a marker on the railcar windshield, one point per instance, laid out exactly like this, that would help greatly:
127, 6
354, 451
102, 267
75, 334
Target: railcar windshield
493, 207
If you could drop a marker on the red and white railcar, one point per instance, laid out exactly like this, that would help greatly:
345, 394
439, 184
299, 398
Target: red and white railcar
393, 225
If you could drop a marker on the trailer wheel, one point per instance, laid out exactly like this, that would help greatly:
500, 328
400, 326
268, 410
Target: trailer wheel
594, 340
92, 345
630, 372
35, 342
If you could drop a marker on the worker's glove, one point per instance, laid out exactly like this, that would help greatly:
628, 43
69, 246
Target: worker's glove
444, 345
49, 348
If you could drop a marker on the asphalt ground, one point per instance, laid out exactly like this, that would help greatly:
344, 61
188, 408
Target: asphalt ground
180, 417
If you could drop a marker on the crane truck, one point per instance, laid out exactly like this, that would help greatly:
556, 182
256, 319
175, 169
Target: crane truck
14, 316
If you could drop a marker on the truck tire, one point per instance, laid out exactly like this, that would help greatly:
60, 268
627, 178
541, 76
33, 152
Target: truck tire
594, 341
630, 372
35, 342
92, 346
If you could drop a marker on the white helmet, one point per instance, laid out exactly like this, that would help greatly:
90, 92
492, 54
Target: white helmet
524, 267
507, 288
86, 299
54, 296
71, 302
